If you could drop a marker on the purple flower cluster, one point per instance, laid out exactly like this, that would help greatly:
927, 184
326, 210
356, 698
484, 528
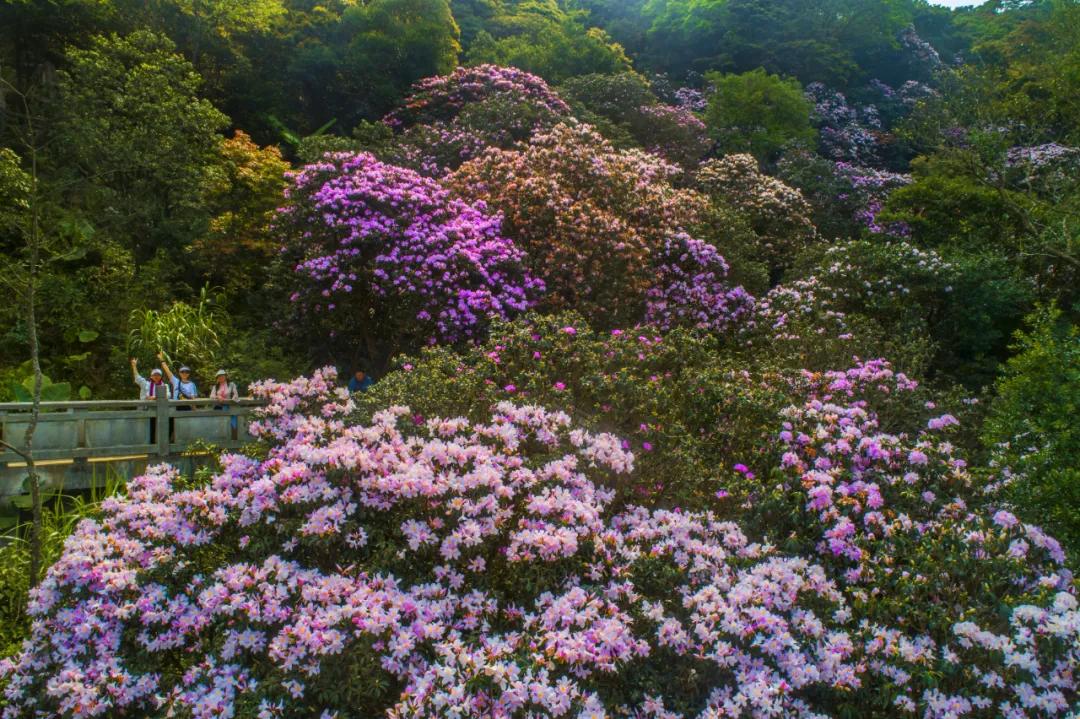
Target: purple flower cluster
847, 133
463, 502
870, 189
362, 231
691, 99
451, 119
691, 288
920, 51
1040, 156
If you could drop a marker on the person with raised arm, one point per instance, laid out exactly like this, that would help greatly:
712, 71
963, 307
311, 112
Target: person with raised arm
183, 387
149, 388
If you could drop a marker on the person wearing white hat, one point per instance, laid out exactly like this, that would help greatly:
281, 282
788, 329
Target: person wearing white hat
223, 389
149, 388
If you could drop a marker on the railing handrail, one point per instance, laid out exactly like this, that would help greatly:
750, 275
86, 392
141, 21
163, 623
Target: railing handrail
120, 403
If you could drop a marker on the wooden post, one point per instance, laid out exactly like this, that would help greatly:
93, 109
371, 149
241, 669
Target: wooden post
162, 424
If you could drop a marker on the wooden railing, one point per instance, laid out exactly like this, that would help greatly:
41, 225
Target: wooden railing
77, 432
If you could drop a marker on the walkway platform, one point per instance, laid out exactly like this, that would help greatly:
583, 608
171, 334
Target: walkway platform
73, 440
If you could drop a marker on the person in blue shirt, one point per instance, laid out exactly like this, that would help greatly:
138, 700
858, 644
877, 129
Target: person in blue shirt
360, 382
183, 387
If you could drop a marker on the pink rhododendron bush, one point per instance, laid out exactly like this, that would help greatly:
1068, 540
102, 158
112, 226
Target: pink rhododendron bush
421, 567
778, 216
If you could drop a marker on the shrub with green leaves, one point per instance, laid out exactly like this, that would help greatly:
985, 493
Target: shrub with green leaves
758, 113
965, 304
1033, 430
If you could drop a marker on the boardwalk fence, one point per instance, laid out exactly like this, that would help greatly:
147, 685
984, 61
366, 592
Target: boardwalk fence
72, 438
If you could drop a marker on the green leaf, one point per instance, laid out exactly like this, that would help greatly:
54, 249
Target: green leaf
59, 392
88, 336
85, 393
21, 393
28, 383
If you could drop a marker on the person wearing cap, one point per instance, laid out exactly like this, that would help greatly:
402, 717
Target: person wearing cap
182, 387
149, 388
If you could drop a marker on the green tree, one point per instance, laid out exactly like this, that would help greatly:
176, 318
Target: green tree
135, 140
1032, 425
341, 64
542, 37
394, 43
200, 26
758, 113
840, 42
243, 190
473, 16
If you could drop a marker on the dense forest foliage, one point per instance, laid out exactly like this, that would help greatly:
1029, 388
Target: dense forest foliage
759, 319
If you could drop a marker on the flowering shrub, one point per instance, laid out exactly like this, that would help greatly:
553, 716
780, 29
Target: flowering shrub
450, 119
464, 535
442, 98
675, 133
625, 109
898, 520
1048, 170
452, 567
845, 133
380, 251
672, 398
595, 222
965, 305
778, 215
920, 53
847, 198
870, 189
691, 98
691, 291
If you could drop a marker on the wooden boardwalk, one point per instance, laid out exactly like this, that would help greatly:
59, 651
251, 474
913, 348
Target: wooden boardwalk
73, 439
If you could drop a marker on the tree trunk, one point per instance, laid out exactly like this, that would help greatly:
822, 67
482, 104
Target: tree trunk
28, 441
35, 361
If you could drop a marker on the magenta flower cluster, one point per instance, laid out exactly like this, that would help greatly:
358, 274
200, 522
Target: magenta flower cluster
364, 231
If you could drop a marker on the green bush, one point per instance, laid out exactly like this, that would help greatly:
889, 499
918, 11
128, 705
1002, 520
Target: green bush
758, 113
1033, 429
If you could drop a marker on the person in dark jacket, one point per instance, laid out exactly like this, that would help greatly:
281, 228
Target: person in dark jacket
360, 382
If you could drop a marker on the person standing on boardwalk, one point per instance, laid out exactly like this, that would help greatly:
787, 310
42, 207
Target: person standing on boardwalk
149, 388
223, 389
183, 387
